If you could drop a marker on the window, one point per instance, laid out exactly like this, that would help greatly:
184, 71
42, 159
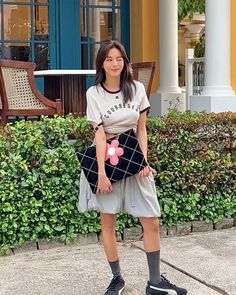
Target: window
100, 20
24, 31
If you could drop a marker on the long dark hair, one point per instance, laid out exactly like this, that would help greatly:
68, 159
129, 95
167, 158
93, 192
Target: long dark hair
126, 77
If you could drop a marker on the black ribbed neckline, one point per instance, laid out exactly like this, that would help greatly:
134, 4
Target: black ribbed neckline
111, 92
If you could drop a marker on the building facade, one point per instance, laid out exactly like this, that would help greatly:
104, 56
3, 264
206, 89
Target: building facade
66, 34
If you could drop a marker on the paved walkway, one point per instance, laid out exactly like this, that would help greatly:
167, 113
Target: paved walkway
204, 263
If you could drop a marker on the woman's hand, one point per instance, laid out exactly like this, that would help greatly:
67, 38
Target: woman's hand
146, 171
104, 185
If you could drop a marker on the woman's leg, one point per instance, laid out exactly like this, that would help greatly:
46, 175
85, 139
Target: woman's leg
109, 236
151, 238
117, 283
151, 234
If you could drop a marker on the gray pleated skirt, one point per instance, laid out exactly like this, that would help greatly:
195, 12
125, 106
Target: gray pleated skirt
135, 195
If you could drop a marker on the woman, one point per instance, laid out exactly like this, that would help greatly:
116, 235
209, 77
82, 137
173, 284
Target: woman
115, 104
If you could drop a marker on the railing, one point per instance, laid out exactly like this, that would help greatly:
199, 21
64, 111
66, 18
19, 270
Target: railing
194, 74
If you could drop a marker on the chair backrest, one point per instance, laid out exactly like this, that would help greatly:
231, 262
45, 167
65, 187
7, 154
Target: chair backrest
16, 91
144, 72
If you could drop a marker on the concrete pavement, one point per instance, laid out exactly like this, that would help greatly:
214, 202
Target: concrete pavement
204, 263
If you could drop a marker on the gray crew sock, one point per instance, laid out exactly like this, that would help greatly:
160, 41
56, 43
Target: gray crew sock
115, 268
153, 259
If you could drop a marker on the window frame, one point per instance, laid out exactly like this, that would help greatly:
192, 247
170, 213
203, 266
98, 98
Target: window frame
32, 41
124, 30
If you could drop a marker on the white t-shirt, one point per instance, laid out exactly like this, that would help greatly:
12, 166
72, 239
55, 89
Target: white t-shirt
107, 108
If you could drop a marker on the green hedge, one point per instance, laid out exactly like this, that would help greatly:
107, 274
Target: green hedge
195, 157
39, 175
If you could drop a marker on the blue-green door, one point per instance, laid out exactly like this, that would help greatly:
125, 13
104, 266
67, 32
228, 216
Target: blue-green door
79, 26
61, 34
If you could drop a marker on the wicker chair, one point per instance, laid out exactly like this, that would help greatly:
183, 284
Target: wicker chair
19, 93
144, 72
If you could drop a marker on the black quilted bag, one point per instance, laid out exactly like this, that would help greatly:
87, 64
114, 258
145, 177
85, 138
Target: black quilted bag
130, 163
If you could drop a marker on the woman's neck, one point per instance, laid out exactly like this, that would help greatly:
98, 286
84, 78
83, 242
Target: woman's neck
112, 84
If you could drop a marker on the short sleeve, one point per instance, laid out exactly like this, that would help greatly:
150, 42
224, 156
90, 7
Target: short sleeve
144, 103
93, 112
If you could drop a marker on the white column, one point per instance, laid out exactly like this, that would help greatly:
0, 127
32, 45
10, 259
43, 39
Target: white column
218, 95
217, 51
169, 94
168, 27
189, 56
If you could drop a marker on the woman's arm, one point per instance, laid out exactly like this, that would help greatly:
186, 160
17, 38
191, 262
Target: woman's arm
100, 140
104, 184
142, 133
142, 139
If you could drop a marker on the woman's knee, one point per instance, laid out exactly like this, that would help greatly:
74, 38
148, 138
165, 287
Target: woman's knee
150, 224
108, 222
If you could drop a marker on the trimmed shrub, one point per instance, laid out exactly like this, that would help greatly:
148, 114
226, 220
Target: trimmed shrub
194, 155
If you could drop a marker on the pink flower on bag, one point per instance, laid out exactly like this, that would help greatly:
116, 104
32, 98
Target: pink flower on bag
113, 152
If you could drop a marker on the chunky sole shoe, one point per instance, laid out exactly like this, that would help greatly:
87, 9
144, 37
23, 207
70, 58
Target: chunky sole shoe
116, 286
164, 288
